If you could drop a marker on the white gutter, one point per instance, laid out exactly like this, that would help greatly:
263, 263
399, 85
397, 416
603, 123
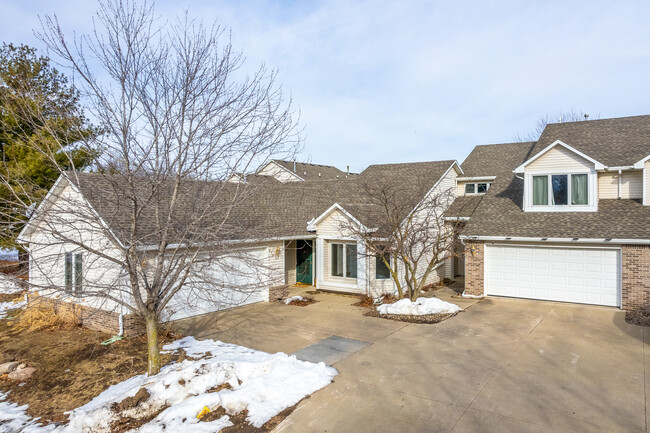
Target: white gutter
456, 218
565, 240
477, 178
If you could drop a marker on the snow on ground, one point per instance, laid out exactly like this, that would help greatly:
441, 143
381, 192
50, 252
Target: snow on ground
263, 383
4, 306
420, 307
293, 298
13, 419
9, 284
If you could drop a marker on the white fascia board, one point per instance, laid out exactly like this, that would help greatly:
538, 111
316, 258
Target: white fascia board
557, 240
26, 231
153, 247
456, 218
641, 163
475, 178
311, 226
598, 165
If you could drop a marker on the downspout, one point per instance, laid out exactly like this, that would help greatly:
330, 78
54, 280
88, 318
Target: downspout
620, 182
121, 325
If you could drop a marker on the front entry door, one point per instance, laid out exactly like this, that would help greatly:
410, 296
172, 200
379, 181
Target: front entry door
303, 262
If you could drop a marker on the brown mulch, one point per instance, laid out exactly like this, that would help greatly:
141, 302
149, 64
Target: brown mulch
72, 367
369, 302
638, 317
241, 425
425, 319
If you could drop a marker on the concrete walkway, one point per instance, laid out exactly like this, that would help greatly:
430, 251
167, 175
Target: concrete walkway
501, 365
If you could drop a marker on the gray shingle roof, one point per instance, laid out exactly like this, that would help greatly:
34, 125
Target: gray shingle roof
499, 212
309, 171
612, 142
264, 208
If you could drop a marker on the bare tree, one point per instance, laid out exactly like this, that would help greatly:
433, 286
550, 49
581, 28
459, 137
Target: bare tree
565, 116
157, 223
410, 234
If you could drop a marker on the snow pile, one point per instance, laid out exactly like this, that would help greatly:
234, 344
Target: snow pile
420, 307
4, 306
9, 285
263, 383
294, 298
13, 419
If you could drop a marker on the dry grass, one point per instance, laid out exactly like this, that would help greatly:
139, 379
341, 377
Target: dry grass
42, 316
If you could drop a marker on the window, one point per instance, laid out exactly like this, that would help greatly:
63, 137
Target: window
381, 270
477, 188
78, 274
556, 189
344, 260
337, 260
540, 190
351, 261
68, 272
73, 270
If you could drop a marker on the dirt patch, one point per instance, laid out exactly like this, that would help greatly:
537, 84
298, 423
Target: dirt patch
424, 319
72, 367
241, 425
131, 402
12, 297
638, 317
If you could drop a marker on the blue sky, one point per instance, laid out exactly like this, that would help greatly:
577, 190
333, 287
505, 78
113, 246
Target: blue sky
390, 81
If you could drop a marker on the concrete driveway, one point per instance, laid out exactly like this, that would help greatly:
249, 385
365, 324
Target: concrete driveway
501, 365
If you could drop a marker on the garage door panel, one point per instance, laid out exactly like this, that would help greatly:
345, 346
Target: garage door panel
581, 275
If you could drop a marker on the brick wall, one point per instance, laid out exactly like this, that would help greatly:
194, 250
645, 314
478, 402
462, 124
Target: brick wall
636, 276
474, 262
94, 318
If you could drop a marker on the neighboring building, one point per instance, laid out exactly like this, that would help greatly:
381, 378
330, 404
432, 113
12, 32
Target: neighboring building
566, 218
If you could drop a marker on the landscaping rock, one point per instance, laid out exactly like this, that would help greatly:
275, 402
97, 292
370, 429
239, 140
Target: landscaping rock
21, 366
8, 367
22, 374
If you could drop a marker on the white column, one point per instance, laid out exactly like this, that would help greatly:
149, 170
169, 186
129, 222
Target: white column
320, 266
361, 267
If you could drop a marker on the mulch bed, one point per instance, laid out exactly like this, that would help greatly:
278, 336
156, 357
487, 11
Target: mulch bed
369, 301
425, 319
638, 317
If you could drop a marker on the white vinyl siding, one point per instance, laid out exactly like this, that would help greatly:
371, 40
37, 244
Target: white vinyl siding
280, 173
631, 185
559, 158
567, 274
646, 183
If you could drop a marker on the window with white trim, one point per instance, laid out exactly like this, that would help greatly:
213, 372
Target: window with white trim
560, 189
73, 270
344, 260
477, 188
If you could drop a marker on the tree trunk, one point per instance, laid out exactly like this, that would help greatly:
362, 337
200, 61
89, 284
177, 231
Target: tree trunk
152, 345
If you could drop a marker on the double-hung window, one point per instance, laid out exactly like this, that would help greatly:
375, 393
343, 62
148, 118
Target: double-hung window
73, 271
344, 260
561, 190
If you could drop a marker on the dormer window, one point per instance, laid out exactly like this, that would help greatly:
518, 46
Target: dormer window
561, 190
477, 188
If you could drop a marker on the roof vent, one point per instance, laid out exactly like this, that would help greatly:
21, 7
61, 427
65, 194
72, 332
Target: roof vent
586, 116
318, 174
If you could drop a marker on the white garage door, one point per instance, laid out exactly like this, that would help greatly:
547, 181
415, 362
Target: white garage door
238, 279
581, 275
